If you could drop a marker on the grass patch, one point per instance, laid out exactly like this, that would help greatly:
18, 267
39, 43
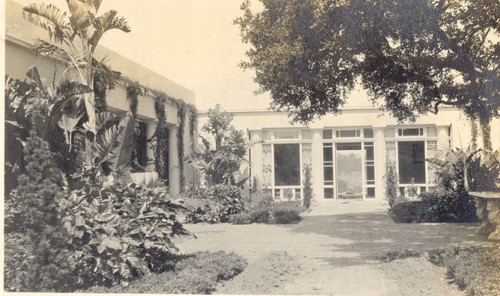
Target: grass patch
474, 270
197, 273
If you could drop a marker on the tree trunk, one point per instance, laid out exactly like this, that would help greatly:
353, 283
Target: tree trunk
486, 131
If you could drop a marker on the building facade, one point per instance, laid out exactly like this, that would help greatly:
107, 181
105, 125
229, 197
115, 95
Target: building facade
348, 154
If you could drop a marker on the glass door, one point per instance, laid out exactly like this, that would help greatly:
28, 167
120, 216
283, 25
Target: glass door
349, 160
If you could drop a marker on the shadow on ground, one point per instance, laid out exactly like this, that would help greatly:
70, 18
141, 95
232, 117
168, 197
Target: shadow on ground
362, 238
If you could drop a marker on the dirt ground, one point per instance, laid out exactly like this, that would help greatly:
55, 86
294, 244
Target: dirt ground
265, 276
277, 272
417, 276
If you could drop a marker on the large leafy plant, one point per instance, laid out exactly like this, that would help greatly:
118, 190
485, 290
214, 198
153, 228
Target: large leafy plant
459, 171
475, 170
74, 36
121, 231
220, 163
64, 120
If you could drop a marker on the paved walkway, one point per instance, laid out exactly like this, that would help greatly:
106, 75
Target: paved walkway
337, 243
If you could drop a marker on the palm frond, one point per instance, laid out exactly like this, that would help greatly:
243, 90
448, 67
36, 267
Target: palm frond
48, 49
95, 4
82, 13
50, 18
115, 144
106, 22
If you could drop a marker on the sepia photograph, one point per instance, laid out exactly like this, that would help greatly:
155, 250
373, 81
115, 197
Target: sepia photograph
251, 147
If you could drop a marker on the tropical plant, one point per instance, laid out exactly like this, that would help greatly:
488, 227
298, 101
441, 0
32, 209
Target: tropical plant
121, 231
475, 170
214, 204
219, 165
459, 171
74, 37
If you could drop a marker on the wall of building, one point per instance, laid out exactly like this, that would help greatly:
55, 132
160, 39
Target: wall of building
21, 36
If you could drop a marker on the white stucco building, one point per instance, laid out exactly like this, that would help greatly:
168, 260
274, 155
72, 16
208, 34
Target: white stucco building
348, 153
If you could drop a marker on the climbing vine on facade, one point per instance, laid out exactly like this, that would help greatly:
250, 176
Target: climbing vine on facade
181, 115
193, 125
161, 135
134, 90
105, 79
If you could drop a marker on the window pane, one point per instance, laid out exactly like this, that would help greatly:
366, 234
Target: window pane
327, 154
286, 164
328, 194
370, 173
348, 146
411, 157
368, 133
369, 153
411, 132
328, 174
370, 192
285, 134
306, 135
327, 134
348, 134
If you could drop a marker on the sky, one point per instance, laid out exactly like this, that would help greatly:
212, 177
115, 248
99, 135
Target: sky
191, 42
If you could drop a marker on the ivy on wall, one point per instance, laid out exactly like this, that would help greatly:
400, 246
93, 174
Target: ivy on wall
134, 90
161, 149
193, 125
162, 140
105, 79
181, 115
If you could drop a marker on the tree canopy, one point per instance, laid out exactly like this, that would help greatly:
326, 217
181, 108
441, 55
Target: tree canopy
411, 56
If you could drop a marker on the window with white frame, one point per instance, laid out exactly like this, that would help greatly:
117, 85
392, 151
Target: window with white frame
410, 132
286, 164
351, 133
411, 162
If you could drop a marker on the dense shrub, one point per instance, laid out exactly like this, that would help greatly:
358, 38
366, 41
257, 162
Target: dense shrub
286, 217
202, 210
449, 206
241, 218
121, 232
409, 212
287, 212
192, 274
213, 204
259, 207
36, 255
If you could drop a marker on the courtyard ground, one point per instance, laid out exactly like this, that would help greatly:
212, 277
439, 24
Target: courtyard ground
335, 250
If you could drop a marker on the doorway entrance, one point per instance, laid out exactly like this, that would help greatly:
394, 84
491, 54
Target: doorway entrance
349, 163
